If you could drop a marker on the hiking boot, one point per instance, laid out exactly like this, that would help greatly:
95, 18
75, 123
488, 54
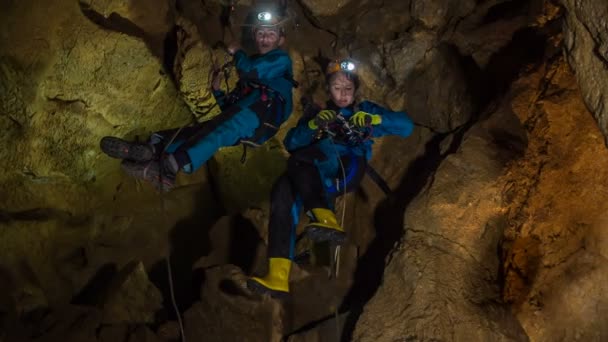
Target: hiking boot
122, 149
325, 227
276, 282
160, 174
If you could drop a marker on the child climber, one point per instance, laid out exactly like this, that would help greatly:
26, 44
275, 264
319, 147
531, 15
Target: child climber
329, 154
251, 114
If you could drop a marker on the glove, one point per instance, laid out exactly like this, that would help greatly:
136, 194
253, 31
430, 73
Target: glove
363, 119
323, 118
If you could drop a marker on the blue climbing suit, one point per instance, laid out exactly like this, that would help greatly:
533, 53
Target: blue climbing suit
263, 103
313, 179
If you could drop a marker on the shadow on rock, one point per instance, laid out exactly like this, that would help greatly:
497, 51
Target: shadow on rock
189, 242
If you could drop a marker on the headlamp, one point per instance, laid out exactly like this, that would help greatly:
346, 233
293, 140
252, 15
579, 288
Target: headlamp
347, 66
265, 16
343, 65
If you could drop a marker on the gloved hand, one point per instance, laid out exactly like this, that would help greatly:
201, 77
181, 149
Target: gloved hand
323, 118
364, 119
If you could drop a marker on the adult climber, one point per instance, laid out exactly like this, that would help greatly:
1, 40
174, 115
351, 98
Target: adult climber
329, 154
251, 113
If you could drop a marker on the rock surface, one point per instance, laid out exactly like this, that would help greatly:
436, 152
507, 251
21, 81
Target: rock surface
227, 313
555, 246
586, 43
131, 298
440, 281
494, 229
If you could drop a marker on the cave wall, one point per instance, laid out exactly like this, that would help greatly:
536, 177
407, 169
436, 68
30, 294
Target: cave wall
68, 75
554, 259
440, 282
585, 41
495, 226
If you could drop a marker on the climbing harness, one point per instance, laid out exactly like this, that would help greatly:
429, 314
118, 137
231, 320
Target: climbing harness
341, 131
269, 110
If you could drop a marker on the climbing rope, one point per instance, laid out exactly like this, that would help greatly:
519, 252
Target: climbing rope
336, 256
166, 223
225, 68
336, 259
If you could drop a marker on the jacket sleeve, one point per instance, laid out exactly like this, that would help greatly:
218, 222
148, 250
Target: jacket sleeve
393, 123
271, 65
299, 136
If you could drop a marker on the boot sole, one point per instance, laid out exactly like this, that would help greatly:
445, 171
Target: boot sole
122, 149
260, 289
322, 234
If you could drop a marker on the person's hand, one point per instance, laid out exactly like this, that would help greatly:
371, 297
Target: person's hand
365, 119
216, 81
233, 47
322, 118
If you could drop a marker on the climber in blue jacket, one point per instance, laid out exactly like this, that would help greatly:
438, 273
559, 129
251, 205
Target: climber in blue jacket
329, 154
251, 114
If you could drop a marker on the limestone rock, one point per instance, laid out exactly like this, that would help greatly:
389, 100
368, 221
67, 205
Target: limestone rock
243, 185
108, 7
113, 333
436, 14
439, 282
66, 82
67, 323
194, 63
554, 251
226, 313
482, 42
325, 8
438, 95
328, 330
131, 298
403, 54
586, 44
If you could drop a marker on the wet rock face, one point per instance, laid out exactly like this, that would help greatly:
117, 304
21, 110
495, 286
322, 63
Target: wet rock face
586, 44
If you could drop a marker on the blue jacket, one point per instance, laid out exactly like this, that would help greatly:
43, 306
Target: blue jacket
245, 118
393, 123
273, 69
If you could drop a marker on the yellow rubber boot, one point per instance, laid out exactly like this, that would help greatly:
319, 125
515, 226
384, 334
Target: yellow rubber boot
325, 227
276, 282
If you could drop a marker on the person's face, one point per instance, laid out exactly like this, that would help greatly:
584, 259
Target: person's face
341, 90
267, 39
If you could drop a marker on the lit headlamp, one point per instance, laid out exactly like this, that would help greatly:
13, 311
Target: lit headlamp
347, 66
344, 65
265, 17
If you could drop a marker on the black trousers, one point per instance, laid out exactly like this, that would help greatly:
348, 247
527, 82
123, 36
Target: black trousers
302, 180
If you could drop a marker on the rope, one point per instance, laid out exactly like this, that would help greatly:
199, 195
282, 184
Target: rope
337, 250
343, 216
225, 69
164, 211
166, 222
